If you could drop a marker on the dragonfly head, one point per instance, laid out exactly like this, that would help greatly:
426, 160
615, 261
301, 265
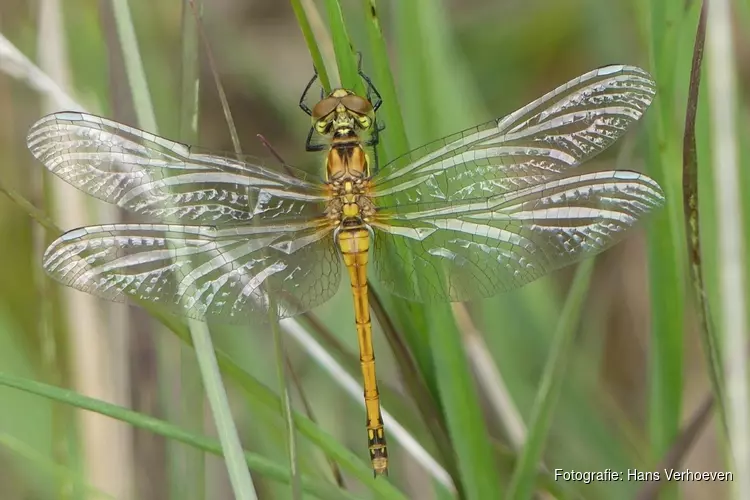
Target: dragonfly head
342, 113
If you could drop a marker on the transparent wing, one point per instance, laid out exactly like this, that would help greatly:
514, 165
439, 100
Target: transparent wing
202, 272
537, 143
470, 249
166, 180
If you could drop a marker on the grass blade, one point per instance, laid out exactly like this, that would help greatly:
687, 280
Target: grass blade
665, 235
683, 444
144, 108
525, 473
394, 141
253, 390
263, 466
312, 44
355, 389
334, 468
286, 407
286, 403
189, 482
417, 387
258, 393
722, 77
394, 144
14, 63
99, 372
428, 73
342, 46
242, 483
490, 380
711, 343
343, 50
45, 467
475, 458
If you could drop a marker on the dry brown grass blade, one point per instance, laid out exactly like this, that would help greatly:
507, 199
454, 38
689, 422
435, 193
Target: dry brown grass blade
690, 207
675, 456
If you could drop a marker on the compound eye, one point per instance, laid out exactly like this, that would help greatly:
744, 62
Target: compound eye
324, 108
357, 104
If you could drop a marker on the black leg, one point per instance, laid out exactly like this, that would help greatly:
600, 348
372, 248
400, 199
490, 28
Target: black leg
373, 142
313, 147
371, 88
374, 139
302, 104
376, 161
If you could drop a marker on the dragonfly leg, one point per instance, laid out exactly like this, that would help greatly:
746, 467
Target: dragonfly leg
309, 146
354, 245
302, 104
371, 90
373, 142
370, 87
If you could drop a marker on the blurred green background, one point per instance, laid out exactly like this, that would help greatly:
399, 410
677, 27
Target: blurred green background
629, 381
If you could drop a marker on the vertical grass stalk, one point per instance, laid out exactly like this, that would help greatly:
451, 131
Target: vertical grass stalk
732, 273
242, 484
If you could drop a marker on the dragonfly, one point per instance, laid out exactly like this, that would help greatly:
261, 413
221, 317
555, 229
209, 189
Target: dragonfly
480, 212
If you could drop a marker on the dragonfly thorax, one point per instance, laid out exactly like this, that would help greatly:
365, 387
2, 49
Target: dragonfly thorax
347, 160
350, 203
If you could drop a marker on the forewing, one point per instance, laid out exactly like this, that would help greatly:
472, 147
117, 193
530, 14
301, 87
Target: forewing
202, 272
471, 249
537, 143
166, 180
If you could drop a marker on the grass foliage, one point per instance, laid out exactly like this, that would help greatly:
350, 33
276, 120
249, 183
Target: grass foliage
600, 368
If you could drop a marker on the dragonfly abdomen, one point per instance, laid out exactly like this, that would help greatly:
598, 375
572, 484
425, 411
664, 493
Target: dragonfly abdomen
354, 244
